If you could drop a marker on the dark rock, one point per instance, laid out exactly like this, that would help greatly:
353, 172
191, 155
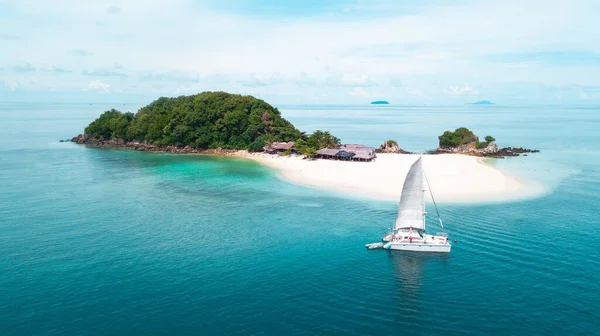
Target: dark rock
391, 146
84, 139
491, 150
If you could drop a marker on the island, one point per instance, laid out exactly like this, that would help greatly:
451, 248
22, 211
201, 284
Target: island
464, 141
482, 102
208, 122
219, 123
379, 102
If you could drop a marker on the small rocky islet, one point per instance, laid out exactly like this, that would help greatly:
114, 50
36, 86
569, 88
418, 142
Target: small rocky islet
491, 150
220, 123
464, 141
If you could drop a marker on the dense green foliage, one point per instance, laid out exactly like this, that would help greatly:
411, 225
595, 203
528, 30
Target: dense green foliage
320, 139
111, 124
462, 136
489, 138
480, 145
260, 142
205, 120
308, 145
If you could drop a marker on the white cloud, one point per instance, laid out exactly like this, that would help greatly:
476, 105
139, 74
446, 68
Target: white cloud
12, 84
98, 85
103, 73
112, 10
460, 91
355, 80
448, 42
360, 92
589, 96
80, 52
415, 92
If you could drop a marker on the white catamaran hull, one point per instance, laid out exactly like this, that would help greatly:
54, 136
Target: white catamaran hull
416, 247
408, 233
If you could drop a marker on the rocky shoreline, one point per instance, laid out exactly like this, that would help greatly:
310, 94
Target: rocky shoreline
84, 139
492, 151
498, 153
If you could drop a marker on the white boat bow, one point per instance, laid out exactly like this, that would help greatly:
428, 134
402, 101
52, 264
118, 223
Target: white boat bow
408, 233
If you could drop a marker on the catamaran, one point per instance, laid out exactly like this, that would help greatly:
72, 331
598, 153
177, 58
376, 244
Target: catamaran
408, 233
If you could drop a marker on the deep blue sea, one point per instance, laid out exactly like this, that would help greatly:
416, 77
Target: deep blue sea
107, 242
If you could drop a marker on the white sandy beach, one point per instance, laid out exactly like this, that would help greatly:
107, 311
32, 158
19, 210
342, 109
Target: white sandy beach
453, 178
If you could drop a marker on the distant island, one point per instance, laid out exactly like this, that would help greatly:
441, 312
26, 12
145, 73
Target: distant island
379, 102
482, 102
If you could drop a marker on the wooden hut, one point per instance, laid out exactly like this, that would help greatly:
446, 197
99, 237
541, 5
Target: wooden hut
327, 153
361, 152
279, 147
349, 152
363, 156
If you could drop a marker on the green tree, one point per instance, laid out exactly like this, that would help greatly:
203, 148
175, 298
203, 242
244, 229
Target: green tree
320, 139
258, 144
489, 138
111, 124
303, 148
309, 152
461, 136
204, 120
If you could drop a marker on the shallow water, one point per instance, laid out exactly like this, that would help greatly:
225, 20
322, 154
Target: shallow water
117, 242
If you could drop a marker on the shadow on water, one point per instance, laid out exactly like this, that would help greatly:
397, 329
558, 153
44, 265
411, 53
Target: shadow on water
409, 270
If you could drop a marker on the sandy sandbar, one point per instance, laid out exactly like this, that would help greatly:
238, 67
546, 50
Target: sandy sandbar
453, 178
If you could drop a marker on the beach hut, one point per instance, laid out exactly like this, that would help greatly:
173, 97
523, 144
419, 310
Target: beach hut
344, 155
361, 152
327, 153
279, 147
356, 148
348, 152
363, 156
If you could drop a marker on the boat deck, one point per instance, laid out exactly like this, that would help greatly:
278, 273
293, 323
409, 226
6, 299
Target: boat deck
405, 238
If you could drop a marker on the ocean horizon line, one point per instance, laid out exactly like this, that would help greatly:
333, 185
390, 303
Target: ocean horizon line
314, 105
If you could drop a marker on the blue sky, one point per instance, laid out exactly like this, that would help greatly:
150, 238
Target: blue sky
296, 52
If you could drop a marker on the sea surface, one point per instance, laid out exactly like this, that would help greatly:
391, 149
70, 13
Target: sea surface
107, 242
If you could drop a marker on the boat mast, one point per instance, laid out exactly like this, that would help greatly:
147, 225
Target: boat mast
423, 198
434, 204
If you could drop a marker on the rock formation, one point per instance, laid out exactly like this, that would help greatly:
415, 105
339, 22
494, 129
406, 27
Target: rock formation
84, 139
391, 146
491, 150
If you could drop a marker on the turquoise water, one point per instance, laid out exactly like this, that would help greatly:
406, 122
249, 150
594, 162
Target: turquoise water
115, 242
